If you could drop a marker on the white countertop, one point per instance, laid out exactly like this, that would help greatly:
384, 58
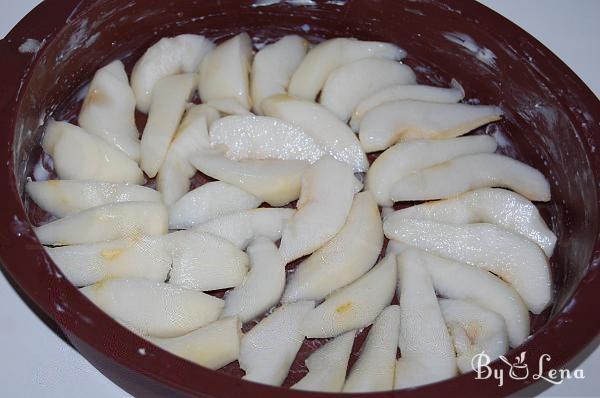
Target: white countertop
34, 362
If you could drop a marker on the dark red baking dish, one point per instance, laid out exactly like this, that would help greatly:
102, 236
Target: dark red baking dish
551, 119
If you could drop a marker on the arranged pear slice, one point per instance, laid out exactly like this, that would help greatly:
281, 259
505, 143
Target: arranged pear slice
242, 227
154, 308
169, 98
269, 348
146, 257
489, 205
374, 369
348, 85
355, 305
173, 179
327, 365
461, 281
323, 206
223, 75
517, 260
425, 345
405, 120
203, 261
405, 158
321, 60
397, 92
342, 260
274, 181
169, 56
471, 172
79, 155
330, 133
114, 221
273, 67
212, 346
209, 201
64, 197
108, 110
262, 137
262, 287
474, 330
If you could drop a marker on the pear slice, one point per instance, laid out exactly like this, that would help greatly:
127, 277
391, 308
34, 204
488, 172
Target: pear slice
274, 181
355, 305
273, 67
89, 263
490, 205
169, 98
212, 346
323, 206
331, 134
425, 345
374, 369
262, 287
472, 172
348, 85
194, 111
173, 179
223, 75
64, 197
327, 366
321, 60
262, 137
461, 281
343, 259
108, 110
209, 201
169, 56
408, 157
114, 221
405, 120
397, 92
517, 260
242, 227
154, 308
269, 348
202, 261
474, 330
79, 155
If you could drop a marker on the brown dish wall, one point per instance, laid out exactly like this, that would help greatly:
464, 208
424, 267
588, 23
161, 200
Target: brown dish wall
551, 121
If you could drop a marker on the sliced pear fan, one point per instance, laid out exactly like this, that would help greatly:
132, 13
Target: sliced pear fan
108, 110
212, 346
348, 85
321, 60
154, 308
496, 206
169, 56
273, 67
405, 158
374, 369
356, 305
126, 220
405, 120
327, 365
64, 197
322, 211
209, 201
78, 155
343, 259
223, 75
471, 172
269, 348
274, 181
474, 330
